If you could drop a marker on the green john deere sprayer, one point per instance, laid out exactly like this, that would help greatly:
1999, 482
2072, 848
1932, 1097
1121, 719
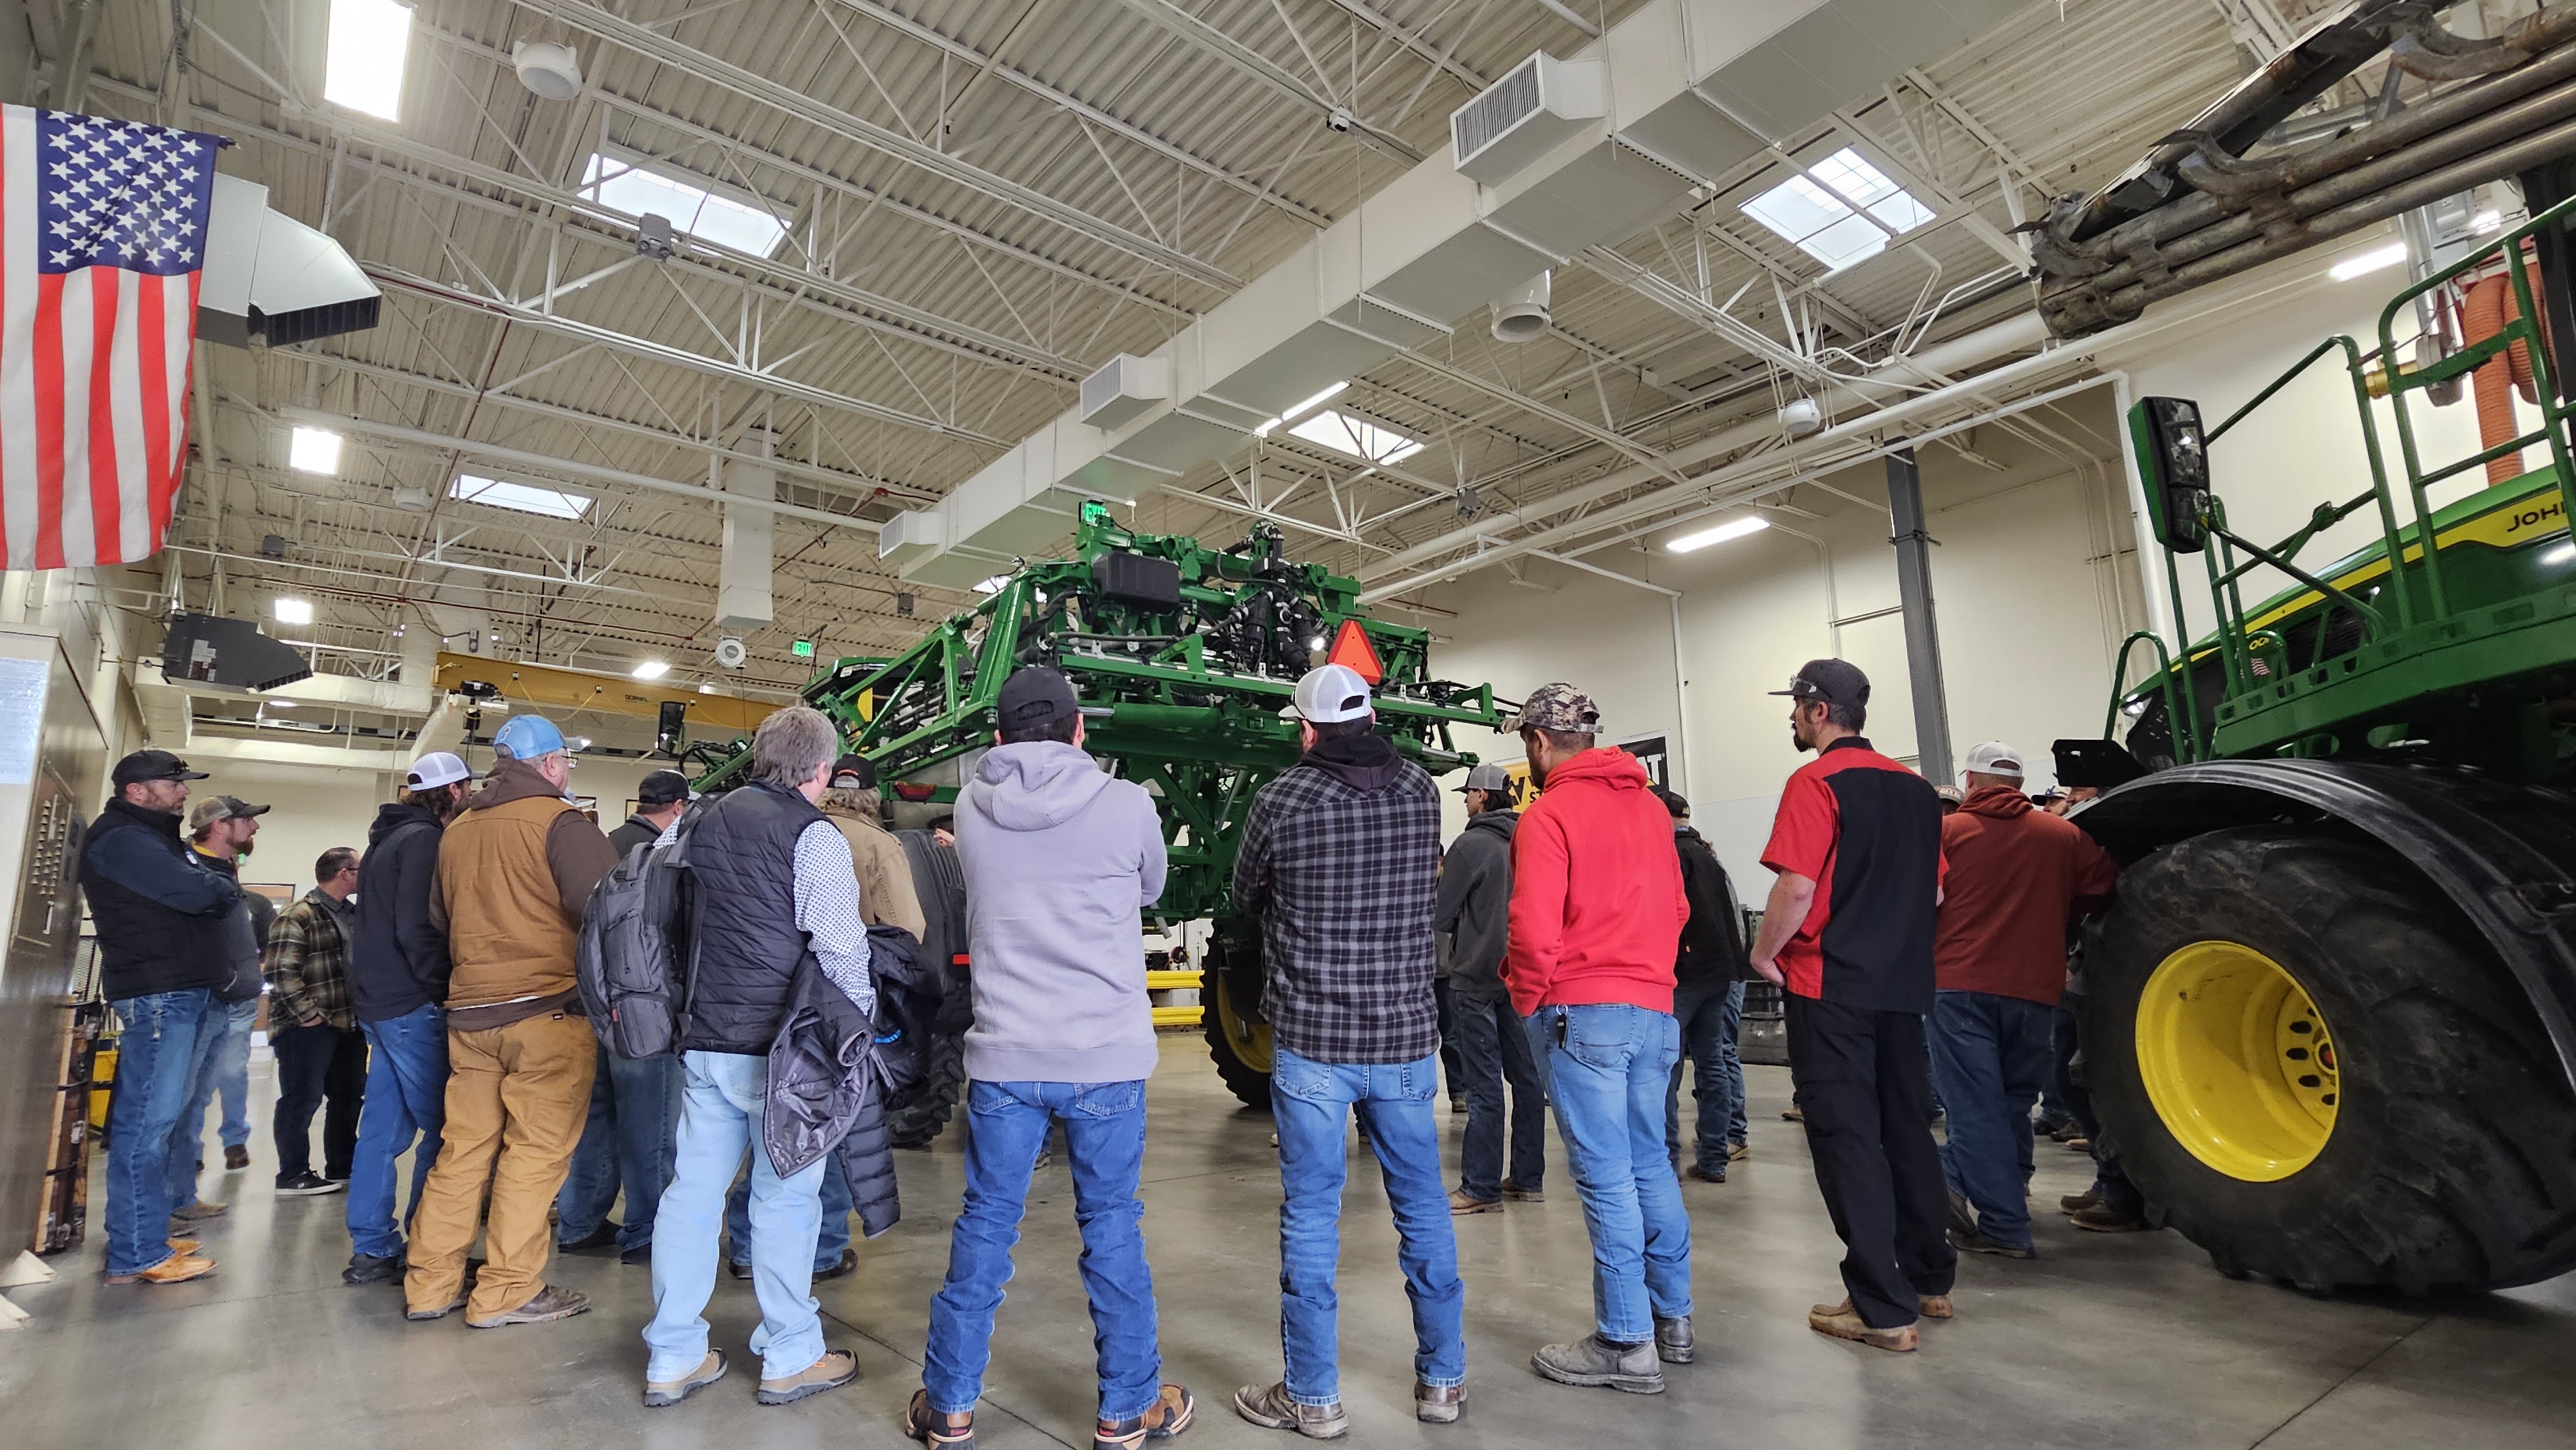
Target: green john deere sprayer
2331, 1022
1193, 653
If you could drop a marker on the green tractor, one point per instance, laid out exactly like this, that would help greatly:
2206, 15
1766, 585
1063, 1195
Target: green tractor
2330, 1024
1188, 656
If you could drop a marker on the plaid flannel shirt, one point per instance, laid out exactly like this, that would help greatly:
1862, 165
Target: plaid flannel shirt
308, 964
1343, 882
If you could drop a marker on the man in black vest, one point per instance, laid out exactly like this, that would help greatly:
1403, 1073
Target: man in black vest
156, 909
774, 880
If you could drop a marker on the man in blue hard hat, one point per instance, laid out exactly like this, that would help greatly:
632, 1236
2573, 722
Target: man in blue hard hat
514, 872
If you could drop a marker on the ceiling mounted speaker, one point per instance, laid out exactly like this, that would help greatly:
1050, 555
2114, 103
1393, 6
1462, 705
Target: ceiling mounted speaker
549, 70
731, 653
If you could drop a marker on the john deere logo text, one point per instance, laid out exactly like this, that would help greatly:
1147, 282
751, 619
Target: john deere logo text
2553, 514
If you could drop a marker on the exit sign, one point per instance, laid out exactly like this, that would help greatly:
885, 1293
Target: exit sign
804, 649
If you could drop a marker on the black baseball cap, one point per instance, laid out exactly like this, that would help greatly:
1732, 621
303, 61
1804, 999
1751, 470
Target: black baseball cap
1833, 682
855, 772
1036, 697
145, 765
1674, 804
662, 788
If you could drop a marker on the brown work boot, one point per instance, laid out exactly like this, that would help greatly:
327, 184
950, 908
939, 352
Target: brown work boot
661, 1394
236, 1158
183, 1247
1169, 1415
1438, 1404
179, 1268
937, 1430
200, 1209
1460, 1205
551, 1303
1270, 1407
1849, 1325
2078, 1202
836, 1368
1514, 1193
1930, 1306
2101, 1218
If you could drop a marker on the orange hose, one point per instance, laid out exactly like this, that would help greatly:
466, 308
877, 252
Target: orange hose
2482, 316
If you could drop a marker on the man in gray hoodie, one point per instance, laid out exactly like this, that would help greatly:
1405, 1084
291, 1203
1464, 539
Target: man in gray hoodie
1493, 1043
1059, 859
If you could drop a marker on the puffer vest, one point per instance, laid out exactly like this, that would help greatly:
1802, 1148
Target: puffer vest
744, 942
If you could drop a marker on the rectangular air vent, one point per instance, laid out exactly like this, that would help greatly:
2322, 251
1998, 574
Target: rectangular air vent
1514, 121
1126, 386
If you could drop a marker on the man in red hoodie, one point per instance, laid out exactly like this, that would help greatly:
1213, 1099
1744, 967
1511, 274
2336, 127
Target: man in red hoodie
2018, 876
1596, 916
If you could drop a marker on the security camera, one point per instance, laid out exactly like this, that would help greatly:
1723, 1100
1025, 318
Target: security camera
731, 652
1339, 121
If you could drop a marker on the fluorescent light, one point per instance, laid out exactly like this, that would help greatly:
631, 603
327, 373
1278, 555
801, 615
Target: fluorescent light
635, 188
2486, 221
1839, 211
313, 450
652, 669
1357, 436
277, 704
2377, 259
554, 503
992, 585
363, 69
1731, 529
291, 611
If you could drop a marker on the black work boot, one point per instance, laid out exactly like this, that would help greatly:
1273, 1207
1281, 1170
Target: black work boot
370, 1269
1673, 1341
1171, 1413
1593, 1360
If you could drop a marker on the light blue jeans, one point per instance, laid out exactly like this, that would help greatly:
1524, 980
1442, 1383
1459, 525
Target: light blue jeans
721, 1101
1610, 1073
230, 1070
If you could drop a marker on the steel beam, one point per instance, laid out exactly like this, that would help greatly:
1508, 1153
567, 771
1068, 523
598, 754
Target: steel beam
1914, 543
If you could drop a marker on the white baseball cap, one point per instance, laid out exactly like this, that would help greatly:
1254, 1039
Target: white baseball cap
1328, 693
1994, 758
435, 769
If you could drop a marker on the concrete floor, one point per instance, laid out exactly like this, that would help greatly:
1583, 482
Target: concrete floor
2102, 1342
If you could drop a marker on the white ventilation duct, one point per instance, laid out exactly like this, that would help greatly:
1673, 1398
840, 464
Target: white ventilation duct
1687, 90
1521, 313
271, 276
743, 576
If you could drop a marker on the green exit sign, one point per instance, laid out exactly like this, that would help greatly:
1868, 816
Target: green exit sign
804, 649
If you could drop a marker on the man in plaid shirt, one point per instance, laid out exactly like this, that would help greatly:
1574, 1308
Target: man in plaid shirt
1340, 864
313, 1028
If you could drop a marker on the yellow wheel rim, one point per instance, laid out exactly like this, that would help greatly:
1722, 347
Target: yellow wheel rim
2237, 1061
1250, 1042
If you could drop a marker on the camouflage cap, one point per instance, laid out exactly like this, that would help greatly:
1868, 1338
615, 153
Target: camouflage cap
1560, 706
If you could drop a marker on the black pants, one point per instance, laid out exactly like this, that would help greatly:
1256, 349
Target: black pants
1494, 1047
1864, 1081
2108, 1181
315, 1063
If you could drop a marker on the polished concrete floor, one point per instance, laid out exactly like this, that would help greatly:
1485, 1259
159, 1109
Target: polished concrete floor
2102, 1342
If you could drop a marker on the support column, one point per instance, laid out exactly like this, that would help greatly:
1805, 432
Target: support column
1922, 635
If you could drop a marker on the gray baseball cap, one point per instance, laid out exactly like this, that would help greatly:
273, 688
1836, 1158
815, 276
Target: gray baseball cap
1488, 776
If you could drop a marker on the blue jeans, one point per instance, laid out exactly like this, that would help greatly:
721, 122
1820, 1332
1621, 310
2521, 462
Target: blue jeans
1310, 1102
1104, 1136
1990, 1056
627, 1142
230, 1069
830, 1242
406, 1096
1709, 1015
156, 1119
1611, 1066
720, 1106
1494, 1050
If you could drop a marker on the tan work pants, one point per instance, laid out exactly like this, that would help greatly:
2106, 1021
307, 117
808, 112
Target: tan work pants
520, 1092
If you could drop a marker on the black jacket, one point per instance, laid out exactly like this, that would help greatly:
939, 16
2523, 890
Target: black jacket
636, 832
832, 1070
744, 943
397, 954
155, 905
1475, 904
1712, 945
245, 931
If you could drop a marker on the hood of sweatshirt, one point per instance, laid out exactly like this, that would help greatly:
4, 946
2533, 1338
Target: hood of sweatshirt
512, 780
1035, 784
393, 816
1603, 765
1501, 823
1362, 762
2002, 802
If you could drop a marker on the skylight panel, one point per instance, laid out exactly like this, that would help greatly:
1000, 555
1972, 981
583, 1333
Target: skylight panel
1356, 436
1839, 211
363, 59
635, 189
526, 498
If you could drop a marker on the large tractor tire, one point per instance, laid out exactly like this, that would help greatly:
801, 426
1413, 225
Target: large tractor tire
1238, 1040
2310, 1064
918, 1113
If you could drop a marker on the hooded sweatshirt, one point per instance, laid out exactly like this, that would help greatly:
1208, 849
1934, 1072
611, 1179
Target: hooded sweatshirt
1059, 859
1597, 902
1475, 904
2018, 876
397, 955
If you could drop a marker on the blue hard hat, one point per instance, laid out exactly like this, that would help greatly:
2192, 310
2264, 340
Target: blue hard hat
525, 737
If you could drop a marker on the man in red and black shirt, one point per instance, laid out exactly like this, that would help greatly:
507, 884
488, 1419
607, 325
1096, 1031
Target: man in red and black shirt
1848, 932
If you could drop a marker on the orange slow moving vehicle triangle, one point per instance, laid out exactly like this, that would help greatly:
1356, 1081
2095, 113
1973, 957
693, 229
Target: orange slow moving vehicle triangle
1351, 647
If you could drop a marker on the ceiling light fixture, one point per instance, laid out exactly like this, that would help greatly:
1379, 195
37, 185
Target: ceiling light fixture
289, 610
652, 669
1299, 409
2377, 259
313, 450
363, 65
1731, 529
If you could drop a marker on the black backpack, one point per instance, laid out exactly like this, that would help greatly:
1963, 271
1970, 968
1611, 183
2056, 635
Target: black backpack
631, 961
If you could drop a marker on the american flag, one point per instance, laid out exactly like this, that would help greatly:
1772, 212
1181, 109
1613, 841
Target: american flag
102, 233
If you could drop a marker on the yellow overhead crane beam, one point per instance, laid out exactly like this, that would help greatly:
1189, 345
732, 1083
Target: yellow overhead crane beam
548, 687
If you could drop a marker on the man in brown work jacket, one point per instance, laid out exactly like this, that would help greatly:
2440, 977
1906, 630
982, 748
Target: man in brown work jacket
515, 870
